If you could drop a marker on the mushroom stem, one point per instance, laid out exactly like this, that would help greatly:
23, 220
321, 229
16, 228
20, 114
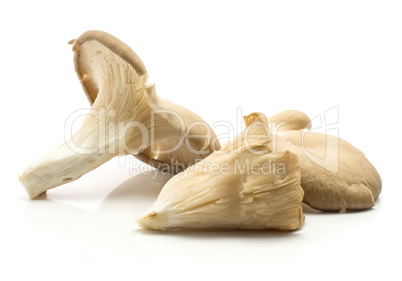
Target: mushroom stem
58, 167
92, 145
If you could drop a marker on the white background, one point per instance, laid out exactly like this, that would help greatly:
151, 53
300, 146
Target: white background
211, 57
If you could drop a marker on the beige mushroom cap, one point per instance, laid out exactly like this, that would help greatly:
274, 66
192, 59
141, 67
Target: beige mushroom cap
176, 119
83, 60
334, 174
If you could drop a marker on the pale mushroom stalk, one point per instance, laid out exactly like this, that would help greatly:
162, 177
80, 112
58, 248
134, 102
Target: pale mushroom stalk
126, 117
88, 148
242, 186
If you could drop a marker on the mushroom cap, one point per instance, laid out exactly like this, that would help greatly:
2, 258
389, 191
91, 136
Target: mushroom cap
175, 146
290, 120
334, 174
82, 63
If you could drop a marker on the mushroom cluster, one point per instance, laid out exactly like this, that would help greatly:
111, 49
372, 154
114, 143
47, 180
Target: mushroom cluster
256, 181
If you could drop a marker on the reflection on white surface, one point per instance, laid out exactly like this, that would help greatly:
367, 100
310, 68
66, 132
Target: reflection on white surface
111, 237
133, 197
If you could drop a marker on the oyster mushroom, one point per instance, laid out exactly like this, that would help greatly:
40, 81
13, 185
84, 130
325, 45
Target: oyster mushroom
243, 186
127, 117
334, 174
